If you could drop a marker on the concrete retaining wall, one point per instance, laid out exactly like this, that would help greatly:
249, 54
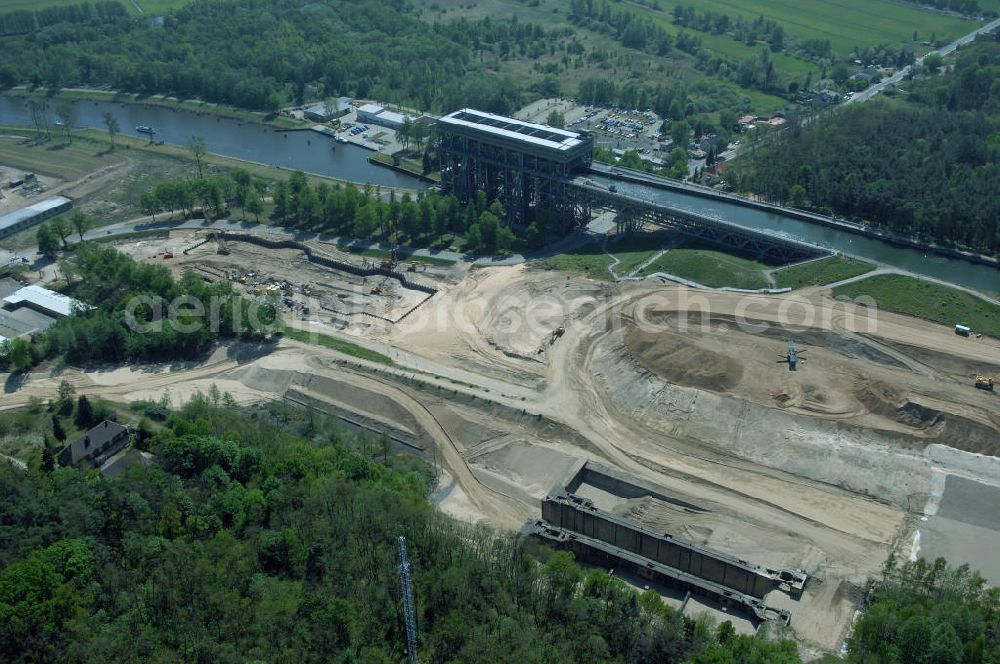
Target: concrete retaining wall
579, 515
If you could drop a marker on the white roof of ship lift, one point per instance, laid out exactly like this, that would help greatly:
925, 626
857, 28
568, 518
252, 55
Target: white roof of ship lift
498, 125
43, 298
17, 216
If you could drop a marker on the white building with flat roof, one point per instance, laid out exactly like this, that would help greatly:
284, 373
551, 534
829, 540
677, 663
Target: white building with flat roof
33, 214
43, 300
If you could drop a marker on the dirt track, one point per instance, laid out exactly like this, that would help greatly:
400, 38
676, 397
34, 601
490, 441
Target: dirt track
816, 468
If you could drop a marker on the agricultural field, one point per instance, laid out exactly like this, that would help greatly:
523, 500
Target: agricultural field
847, 24
820, 272
915, 297
152, 7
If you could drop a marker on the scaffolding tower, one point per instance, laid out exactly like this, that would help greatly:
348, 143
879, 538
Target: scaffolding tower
409, 609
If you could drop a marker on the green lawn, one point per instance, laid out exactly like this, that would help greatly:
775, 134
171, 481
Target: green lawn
914, 297
589, 259
345, 347
633, 250
710, 268
817, 273
592, 260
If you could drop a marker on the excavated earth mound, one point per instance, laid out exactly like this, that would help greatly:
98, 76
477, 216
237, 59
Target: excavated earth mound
671, 357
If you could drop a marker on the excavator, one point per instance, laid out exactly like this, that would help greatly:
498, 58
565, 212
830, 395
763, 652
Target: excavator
985, 382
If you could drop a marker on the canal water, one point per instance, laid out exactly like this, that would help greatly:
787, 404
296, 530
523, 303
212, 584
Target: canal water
309, 151
314, 153
982, 277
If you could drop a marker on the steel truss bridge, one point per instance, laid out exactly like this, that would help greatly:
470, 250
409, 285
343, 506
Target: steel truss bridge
633, 212
534, 169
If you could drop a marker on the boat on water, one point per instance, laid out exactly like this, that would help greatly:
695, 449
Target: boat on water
341, 139
143, 129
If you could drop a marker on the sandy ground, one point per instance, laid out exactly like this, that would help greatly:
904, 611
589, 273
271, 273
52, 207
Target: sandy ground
510, 377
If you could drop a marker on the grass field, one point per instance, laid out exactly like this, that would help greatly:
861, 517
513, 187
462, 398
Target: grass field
54, 158
845, 23
824, 271
593, 259
151, 7
345, 347
710, 268
914, 297
589, 259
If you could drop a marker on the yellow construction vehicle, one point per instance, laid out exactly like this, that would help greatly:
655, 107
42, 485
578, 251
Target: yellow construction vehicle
984, 383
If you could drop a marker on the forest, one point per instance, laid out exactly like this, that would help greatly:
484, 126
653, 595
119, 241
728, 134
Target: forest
260, 54
270, 534
278, 53
926, 165
928, 613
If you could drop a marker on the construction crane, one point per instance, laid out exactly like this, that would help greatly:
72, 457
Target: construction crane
791, 357
409, 609
985, 382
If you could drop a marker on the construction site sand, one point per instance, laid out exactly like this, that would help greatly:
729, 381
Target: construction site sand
849, 378
813, 479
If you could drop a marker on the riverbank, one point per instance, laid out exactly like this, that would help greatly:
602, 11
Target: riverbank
273, 120
895, 239
383, 159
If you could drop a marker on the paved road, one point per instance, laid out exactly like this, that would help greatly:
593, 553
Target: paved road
904, 72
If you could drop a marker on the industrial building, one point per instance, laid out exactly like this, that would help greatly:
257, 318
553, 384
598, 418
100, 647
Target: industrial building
27, 309
319, 112
375, 114
42, 300
525, 166
33, 214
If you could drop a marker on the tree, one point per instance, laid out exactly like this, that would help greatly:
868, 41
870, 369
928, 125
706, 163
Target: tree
680, 132
197, 147
81, 223
20, 355
48, 458
47, 240
57, 429
254, 206
149, 203
555, 119
62, 228
84, 413
66, 112
112, 124
331, 108
797, 195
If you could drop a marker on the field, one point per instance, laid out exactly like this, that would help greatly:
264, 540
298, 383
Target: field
846, 24
710, 268
818, 273
54, 158
152, 7
923, 299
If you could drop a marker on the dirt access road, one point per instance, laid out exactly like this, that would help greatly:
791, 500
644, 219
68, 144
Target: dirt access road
825, 469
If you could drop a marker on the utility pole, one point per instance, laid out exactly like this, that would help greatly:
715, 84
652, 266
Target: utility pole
409, 612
